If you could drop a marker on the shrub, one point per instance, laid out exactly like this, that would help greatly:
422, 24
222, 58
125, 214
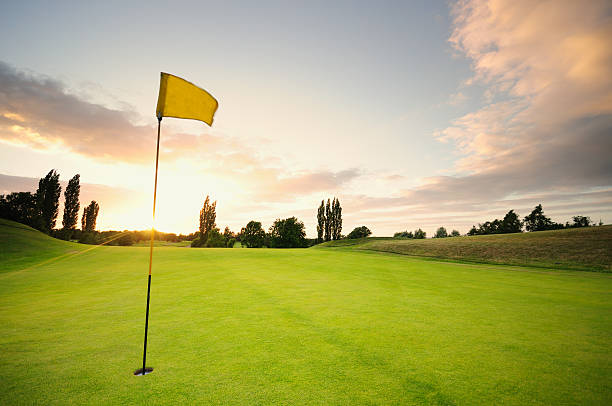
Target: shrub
359, 232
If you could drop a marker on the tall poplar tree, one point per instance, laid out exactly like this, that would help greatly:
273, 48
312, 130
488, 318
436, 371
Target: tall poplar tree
71, 203
47, 201
337, 220
208, 216
321, 221
328, 217
90, 214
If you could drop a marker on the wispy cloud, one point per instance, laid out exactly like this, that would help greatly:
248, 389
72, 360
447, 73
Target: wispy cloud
543, 132
38, 112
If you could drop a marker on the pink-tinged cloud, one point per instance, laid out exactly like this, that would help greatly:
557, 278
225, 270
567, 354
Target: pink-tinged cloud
547, 120
39, 113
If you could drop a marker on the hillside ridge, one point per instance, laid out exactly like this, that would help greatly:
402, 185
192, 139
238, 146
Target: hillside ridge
585, 249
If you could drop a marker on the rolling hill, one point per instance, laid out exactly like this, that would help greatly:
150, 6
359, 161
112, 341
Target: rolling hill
579, 248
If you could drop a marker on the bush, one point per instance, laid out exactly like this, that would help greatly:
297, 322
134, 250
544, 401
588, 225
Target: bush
359, 232
62, 234
403, 234
231, 242
197, 242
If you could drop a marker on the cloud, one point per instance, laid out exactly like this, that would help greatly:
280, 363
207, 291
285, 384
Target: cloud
543, 133
548, 69
39, 113
546, 126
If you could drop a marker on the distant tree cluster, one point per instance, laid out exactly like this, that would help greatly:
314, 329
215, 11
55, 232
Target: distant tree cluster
417, 234
329, 220
511, 223
287, 233
209, 235
442, 233
253, 235
535, 221
283, 233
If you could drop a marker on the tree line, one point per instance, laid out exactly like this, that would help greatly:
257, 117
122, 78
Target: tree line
284, 233
535, 221
511, 223
40, 209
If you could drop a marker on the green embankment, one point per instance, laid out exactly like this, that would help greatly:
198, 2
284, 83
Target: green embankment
22, 246
298, 327
580, 248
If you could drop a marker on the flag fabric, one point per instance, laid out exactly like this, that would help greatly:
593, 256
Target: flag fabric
182, 99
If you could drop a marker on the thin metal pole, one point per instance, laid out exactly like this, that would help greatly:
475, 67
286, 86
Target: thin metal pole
144, 354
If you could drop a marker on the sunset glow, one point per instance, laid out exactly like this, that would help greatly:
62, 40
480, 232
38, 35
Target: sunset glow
413, 115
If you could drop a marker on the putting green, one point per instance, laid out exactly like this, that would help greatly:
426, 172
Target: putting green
310, 326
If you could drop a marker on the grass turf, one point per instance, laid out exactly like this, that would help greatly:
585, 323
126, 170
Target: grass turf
297, 327
588, 249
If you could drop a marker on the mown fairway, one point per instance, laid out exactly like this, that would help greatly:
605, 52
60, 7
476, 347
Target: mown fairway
311, 326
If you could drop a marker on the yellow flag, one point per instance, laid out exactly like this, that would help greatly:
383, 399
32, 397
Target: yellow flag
181, 99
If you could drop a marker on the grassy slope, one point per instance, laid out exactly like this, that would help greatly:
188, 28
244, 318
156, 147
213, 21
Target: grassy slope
299, 327
580, 249
22, 246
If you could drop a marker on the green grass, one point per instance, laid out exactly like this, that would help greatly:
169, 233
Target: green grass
588, 249
310, 326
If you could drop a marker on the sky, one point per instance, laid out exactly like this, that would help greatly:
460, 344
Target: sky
414, 114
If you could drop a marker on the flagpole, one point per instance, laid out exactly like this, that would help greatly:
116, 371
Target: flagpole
144, 354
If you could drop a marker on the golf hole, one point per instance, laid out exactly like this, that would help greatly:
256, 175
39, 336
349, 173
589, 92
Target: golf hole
147, 371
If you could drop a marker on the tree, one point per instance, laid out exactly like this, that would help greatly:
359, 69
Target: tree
47, 201
359, 232
215, 239
84, 219
208, 216
230, 237
581, 221
511, 223
71, 203
253, 236
455, 233
473, 231
419, 234
337, 219
403, 234
441, 233
90, 215
287, 233
328, 218
537, 221
20, 207
321, 221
